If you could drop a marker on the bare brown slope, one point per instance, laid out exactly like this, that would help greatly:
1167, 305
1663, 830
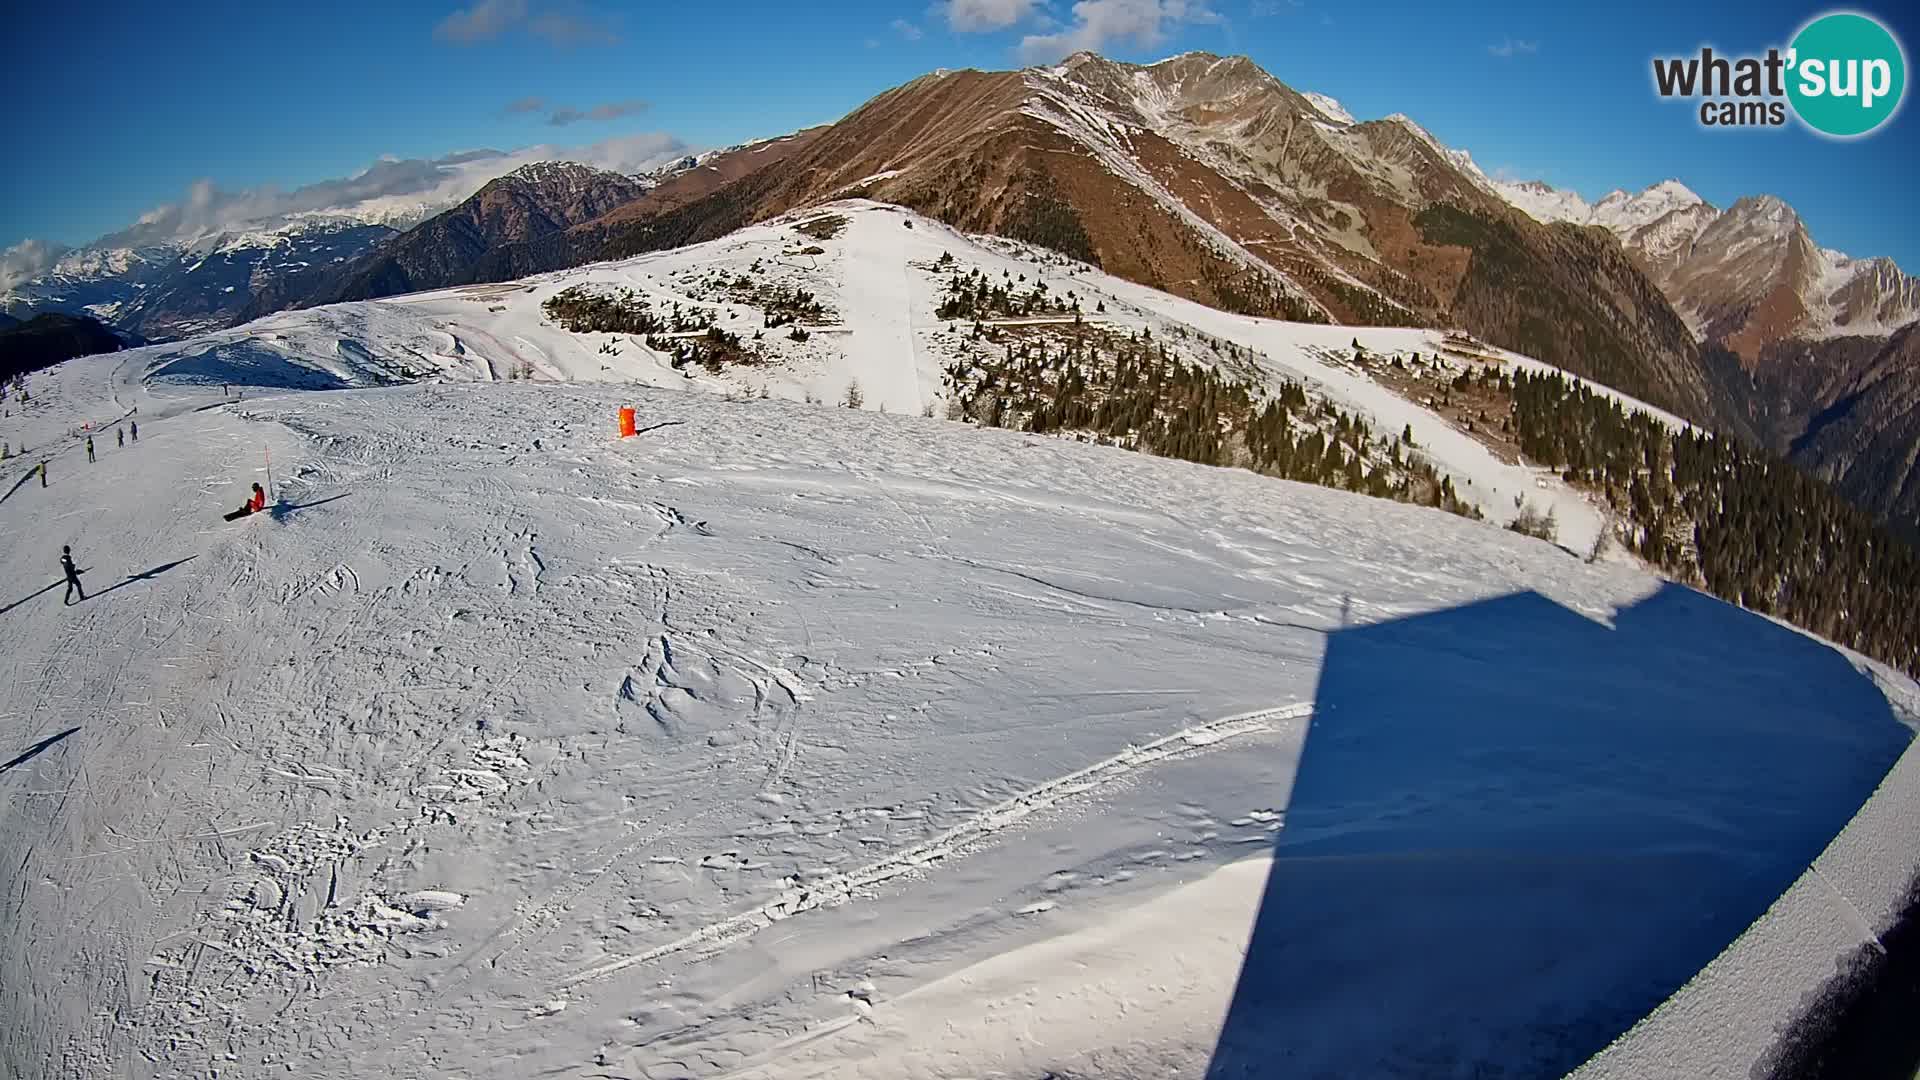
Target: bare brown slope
705, 179
958, 147
1203, 176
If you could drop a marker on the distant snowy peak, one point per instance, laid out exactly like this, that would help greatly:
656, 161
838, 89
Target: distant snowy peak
660, 174
552, 172
1619, 211
1622, 212
1669, 237
1544, 203
1763, 216
170, 290
1461, 159
91, 263
1751, 274
563, 179
1329, 108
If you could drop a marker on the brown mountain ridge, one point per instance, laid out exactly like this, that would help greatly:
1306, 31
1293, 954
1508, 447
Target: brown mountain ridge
1208, 178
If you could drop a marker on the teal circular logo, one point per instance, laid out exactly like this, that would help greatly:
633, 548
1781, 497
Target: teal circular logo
1848, 74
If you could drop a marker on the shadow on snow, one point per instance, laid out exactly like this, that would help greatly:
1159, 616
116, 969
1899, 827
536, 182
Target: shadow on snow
1514, 831
36, 750
147, 575
281, 511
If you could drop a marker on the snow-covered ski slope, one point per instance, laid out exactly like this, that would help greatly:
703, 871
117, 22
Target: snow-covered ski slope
784, 740
505, 748
881, 283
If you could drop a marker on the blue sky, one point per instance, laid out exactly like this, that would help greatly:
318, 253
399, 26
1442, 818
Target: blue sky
120, 107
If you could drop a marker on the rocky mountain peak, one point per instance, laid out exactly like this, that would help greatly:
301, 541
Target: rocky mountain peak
1765, 212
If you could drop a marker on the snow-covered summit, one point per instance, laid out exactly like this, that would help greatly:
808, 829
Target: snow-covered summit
1545, 203
1329, 107
553, 172
1461, 159
1622, 212
1618, 210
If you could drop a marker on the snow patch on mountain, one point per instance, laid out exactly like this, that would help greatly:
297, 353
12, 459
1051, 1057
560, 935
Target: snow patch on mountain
1544, 203
1618, 210
1622, 212
1461, 159
1329, 108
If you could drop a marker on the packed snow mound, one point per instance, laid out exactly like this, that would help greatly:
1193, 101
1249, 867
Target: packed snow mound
876, 276
799, 741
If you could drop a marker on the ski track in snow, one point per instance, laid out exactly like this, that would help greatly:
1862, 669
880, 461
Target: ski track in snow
979, 828
541, 724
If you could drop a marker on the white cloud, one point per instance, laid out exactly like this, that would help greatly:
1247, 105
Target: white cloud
26, 260
1098, 23
981, 16
395, 190
1510, 47
612, 110
489, 19
484, 20
906, 29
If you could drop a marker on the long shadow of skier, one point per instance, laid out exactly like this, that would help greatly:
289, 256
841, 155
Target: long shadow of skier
1514, 830
49, 587
36, 749
146, 576
18, 484
279, 511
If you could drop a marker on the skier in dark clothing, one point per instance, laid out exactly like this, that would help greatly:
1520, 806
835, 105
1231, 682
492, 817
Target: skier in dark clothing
119, 437
136, 430
89, 449
73, 575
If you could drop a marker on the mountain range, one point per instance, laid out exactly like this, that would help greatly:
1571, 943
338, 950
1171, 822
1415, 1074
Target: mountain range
1206, 177
171, 276
1815, 348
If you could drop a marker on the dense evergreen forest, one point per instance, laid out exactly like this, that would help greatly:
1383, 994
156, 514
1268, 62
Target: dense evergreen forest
1748, 527
1127, 390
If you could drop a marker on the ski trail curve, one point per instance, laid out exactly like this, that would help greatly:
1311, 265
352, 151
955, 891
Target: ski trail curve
980, 826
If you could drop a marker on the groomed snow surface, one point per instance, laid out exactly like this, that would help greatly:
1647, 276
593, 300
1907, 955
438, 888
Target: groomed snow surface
788, 741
